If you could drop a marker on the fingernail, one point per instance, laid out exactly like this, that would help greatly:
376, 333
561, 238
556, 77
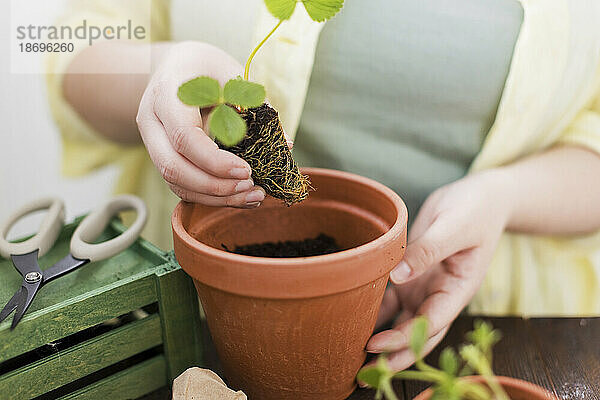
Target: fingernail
401, 273
239, 173
253, 205
290, 143
255, 196
242, 186
362, 385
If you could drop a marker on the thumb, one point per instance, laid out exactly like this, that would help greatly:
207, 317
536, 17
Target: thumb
436, 244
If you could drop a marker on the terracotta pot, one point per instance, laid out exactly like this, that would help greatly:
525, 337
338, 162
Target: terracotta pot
516, 389
294, 328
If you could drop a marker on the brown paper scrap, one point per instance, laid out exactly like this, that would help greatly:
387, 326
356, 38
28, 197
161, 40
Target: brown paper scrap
203, 384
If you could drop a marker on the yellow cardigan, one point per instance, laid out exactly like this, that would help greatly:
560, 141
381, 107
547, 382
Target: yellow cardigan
552, 96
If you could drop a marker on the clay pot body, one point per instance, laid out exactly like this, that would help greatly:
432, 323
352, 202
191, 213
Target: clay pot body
294, 328
516, 389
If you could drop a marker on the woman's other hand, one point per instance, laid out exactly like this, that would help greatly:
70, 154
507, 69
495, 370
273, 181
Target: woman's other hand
450, 247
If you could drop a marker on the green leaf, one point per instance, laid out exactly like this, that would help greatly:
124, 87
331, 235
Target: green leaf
375, 375
202, 92
370, 375
281, 9
226, 125
244, 94
419, 336
484, 336
449, 361
475, 358
321, 10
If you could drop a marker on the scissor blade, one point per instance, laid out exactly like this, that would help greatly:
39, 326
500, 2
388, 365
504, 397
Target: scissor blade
26, 263
13, 303
27, 298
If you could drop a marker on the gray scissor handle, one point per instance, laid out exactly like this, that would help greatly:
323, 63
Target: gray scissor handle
47, 234
82, 246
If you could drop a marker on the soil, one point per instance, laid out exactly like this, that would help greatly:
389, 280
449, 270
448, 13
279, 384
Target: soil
322, 244
265, 149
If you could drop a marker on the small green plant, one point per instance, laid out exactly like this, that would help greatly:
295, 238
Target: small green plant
225, 122
244, 125
475, 356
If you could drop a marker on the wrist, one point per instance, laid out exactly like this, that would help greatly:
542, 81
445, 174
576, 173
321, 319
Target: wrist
502, 195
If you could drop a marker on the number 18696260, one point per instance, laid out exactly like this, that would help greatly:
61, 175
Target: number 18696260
46, 47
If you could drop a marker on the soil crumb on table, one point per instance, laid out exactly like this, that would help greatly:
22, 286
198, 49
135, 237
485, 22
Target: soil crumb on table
322, 244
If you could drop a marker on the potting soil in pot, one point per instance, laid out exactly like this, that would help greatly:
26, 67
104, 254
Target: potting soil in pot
322, 244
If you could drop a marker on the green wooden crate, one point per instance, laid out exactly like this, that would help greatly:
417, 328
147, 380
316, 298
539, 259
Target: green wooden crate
64, 348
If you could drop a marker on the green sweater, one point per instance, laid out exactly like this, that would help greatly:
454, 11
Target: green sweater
405, 91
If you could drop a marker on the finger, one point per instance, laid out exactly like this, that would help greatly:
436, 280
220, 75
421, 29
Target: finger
249, 199
425, 218
183, 128
289, 141
404, 316
389, 307
403, 359
440, 308
436, 244
178, 171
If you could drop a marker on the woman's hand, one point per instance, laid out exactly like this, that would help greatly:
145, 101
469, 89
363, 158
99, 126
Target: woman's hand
194, 167
450, 246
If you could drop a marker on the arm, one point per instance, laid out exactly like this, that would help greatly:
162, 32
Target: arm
555, 193
95, 97
454, 236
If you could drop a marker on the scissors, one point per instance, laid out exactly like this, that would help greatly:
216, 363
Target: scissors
24, 255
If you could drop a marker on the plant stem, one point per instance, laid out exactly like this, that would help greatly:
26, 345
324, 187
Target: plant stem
498, 391
388, 391
247, 68
417, 376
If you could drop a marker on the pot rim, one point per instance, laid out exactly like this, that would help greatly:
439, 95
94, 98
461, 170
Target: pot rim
396, 230
526, 387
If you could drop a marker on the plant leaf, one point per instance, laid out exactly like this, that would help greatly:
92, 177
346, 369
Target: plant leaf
475, 359
449, 361
418, 336
372, 376
243, 93
226, 125
375, 375
484, 336
281, 9
322, 10
202, 92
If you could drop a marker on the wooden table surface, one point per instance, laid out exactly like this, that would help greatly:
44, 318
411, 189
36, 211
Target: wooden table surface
560, 354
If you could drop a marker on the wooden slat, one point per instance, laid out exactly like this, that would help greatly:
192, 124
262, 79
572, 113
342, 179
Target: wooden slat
75, 314
180, 320
81, 360
517, 354
562, 355
131, 383
570, 349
